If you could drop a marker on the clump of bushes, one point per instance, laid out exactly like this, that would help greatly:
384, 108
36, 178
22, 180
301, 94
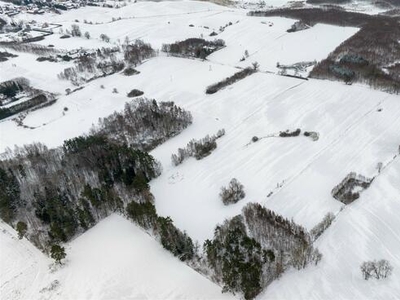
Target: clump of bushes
130, 71
197, 148
312, 134
288, 133
376, 269
233, 193
135, 93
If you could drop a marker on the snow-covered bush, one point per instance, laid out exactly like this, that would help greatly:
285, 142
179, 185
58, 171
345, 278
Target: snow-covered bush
233, 193
376, 269
197, 148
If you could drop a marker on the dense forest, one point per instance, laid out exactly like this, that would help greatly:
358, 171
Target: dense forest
61, 192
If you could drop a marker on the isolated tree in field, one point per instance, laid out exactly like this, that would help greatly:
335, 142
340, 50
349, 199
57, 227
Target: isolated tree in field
57, 253
75, 30
87, 35
22, 228
233, 193
376, 269
255, 65
379, 166
104, 38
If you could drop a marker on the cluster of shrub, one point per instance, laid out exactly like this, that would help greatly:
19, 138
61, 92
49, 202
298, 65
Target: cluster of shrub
233, 193
288, 133
59, 193
212, 89
376, 269
197, 148
193, 47
250, 250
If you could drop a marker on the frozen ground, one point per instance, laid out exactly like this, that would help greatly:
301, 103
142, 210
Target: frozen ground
358, 128
365, 230
113, 260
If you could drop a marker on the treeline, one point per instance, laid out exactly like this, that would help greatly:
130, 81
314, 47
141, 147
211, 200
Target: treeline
369, 57
59, 193
144, 124
250, 250
212, 89
313, 16
193, 47
30, 48
170, 237
197, 148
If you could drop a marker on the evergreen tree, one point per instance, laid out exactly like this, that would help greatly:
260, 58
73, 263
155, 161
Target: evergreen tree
57, 253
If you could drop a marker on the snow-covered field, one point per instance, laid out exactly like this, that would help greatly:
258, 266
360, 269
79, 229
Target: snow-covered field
358, 127
113, 260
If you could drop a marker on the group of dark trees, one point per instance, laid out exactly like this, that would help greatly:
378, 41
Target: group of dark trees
250, 250
349, 189
232, 193
376, 269
136, 52
319, 229
370, 57
145, 123
193, 47
367, 57
288, 133
212, 89
197, 148
59, 193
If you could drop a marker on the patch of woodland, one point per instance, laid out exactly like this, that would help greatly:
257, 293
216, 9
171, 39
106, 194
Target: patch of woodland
193, 47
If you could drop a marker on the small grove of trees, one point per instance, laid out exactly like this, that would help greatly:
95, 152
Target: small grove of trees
57, 253
145, 123
193, 47
212, 89
105, 38
322, 226
376, 269
197, 148
135, 53
233, 193
75, 30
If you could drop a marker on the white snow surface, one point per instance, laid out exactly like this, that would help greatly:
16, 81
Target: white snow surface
358, 128
113, 260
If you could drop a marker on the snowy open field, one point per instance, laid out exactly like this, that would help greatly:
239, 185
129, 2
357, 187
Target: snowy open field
114, 260
358, 127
